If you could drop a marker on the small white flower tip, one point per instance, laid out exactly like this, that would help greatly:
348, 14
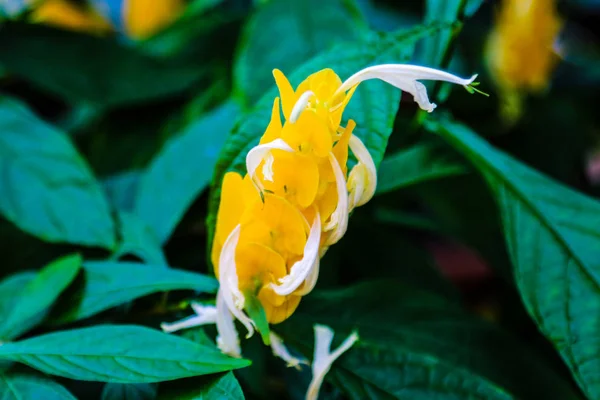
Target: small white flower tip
300, 106
281, 351
205, 315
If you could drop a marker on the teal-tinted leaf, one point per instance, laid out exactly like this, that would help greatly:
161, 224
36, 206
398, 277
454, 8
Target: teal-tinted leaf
416, 345
118, 354
553, 238
108, 284
21, 386
38, 295
182, 170
418, 164
131, 391
110, 74
217, 387
373, 106
301, 34
138, 239
10, 291
47, 188
121, 189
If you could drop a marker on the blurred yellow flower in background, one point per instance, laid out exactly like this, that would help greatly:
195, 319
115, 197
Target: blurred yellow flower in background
520, 53
140, 18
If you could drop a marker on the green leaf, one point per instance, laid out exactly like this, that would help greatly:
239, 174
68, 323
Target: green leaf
302, 33
217, 387
107, 284
121, 189
131, 391
38, 296
10, 291
415, 165
553, 237
373, 106
118, 354
182, 170
47, 188
21, 386
138, 239
110, 74
257, 313
417, 345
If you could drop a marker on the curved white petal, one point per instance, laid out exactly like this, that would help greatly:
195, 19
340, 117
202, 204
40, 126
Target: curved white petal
258, 153
405, 77
323, 358
279, 350
339, 219
205, 315
302, 269
228, 281
300, 106
267, 169
311, 280
364, 183
227, 340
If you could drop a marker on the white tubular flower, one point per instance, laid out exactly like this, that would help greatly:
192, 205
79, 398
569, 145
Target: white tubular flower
228, 340
205, 315
338, 222
303, 268
300, 106
406, 77
311, 280
267, 169
258, 154
279, 350
323, 357
228, 281
362, 180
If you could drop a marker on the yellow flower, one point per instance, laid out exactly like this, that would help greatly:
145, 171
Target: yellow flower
143, 18
64, 14
275, 224
519, 52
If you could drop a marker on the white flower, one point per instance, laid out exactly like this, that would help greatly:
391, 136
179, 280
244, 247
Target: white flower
323, 357
205, 315
338, 222
279, 350
362, 180
258, 154
406, 77
301, 269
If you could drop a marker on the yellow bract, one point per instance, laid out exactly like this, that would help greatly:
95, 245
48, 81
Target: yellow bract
143, 18
64, 14
520, 51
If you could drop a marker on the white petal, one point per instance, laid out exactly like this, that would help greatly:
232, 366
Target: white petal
311, 280
339, 219
258, 153
364, 182
323, 358
405, 77
205, 315
228, 340
268, 168
302, 269
228, 281
279, 350
300, 106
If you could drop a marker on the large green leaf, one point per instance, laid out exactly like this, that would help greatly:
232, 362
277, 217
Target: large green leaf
108, 284
10, 291
373, 106
301, 33
418, 164
182, 170
217, 387
32, 303
417, 345
120, 354
109, 74
21, 386
131, 391
553, 237
47, 188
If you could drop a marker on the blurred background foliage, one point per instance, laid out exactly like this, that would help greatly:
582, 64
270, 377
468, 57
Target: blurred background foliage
113, 117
